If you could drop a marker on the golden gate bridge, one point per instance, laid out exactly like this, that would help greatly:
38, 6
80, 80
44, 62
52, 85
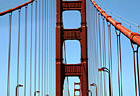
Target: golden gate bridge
36, 55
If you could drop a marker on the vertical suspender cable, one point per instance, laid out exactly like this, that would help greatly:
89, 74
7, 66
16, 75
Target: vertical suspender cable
91, 48
102, 40
90, 34
120, 66
134, 70
94, 51
42, 49
95, 45
18, 50
110, 52
35, 45
138, 69
135, 77
109, 43
9, 55
118, 35
97, 49
31, 51
54, 47
100, 53
51, 42
104, 43
51, 45
111, 61
25, 51
45, 54
119, 63
104, 54
53, 4
47, 47
39, 50
88, 20
92, 62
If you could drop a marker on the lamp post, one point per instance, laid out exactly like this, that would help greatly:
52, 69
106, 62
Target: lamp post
36, 92
108, 71
90, 92
17, 88
93, 84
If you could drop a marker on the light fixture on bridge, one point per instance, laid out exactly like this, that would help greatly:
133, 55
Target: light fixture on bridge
108, 71
93, 84
36, 92
17, 88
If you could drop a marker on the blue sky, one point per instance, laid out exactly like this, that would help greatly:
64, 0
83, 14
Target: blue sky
127, 9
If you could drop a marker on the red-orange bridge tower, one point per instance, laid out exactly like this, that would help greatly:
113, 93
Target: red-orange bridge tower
64, 70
